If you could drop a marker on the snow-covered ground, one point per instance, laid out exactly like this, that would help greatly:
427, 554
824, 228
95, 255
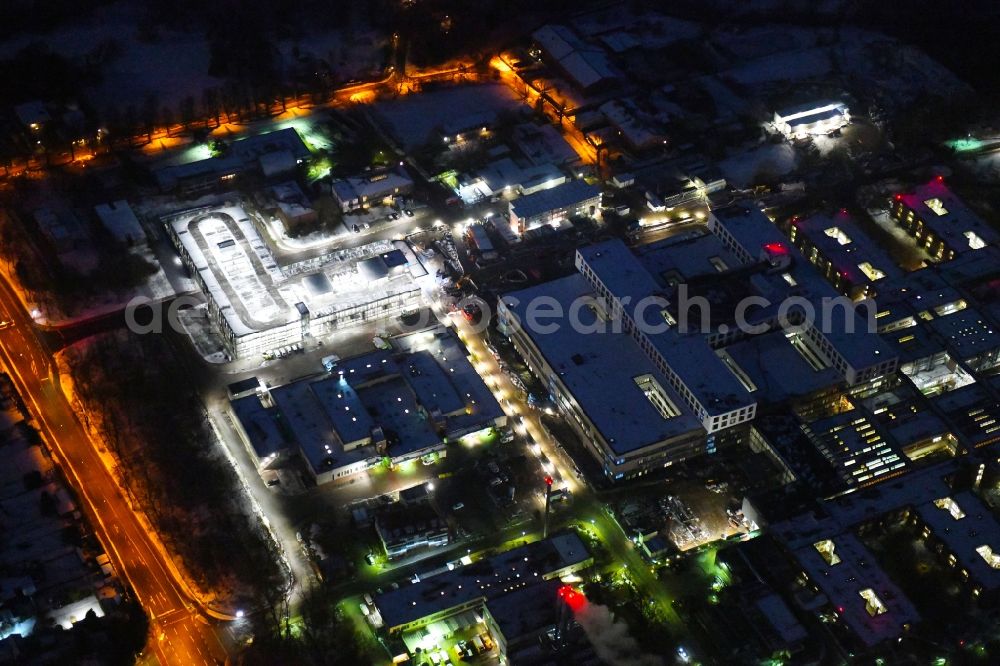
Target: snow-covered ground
772, 54
727, 103
784, 66
826, 144
753, 43
774, 159
413, 118
173, 65
352, 54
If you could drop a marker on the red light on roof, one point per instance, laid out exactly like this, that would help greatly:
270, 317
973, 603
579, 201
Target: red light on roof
939, 178
840, 609
843, 211
573, 598
898, 197
776, 248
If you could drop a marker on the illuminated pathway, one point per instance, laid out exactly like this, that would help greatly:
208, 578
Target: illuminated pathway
595, 517
180, 633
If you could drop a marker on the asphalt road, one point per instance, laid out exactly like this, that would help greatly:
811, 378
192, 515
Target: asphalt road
180, 633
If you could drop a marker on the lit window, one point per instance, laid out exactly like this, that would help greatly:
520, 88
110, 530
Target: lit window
838, 234
975, 242
873, 604
936, 206
870, 271
991, 558
951, 506
949, 308
826, 549
789, 279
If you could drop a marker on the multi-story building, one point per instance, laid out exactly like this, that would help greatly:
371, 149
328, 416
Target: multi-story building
478, 586
833, 334
375, 189
271, 154
563, 201
623, 407
843, 572
965, 534
941, 223
259, 306
846, 256
671, 390
390, 405
856, 448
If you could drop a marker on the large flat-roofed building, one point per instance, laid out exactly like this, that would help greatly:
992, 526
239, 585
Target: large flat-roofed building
940, 221
848, 258
622, 406
673, 389
941, 333
271, 154
657, 398
117, 217
260, 306
836, 335
573, 198
813, 118
966, 534
396, 404
972, 411
507, 177
856, 448
690, 365
859, 591
262, 435
474, 586
801, 378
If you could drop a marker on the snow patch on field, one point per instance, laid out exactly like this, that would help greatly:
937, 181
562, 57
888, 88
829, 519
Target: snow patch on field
768, 160
171, 68
785, 66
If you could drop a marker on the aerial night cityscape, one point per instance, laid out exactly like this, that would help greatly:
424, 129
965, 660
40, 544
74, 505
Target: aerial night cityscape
436, 332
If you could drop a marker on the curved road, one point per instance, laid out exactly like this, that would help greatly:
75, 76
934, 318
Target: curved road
180, 634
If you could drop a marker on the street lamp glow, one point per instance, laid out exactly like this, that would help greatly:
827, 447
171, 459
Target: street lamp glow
239, 614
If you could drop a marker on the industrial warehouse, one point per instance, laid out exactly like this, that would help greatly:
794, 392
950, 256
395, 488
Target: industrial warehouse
389, 406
